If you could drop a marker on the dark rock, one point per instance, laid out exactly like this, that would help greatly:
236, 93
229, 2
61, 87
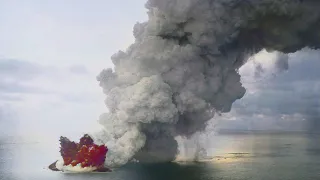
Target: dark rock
53, 167
102, 169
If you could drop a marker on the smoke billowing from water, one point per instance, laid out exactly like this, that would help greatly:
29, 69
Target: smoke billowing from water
183, 67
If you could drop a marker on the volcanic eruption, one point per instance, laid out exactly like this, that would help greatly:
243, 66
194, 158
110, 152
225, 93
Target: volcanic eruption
84, 155
183, 68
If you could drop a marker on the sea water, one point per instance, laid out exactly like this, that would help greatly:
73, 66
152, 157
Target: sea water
250, 156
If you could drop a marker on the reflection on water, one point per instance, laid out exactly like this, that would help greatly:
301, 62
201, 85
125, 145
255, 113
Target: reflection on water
246, 156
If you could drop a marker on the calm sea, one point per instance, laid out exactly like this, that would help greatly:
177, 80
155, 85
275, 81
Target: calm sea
234, 157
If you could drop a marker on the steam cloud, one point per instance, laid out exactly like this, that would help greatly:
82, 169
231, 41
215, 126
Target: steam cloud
183, 67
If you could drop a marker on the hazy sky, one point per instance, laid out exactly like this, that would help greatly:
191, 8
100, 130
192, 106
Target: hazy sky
64, 33
51, 52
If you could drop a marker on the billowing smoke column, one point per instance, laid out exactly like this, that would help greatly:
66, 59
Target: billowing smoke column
183, 67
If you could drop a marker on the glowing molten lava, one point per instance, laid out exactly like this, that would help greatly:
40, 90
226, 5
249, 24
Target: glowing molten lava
85, 152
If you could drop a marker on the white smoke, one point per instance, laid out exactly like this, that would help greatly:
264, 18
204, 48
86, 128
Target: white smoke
273, 63
265, 64
73, 169
183, 67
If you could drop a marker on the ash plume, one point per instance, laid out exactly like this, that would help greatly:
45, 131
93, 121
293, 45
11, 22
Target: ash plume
183, 68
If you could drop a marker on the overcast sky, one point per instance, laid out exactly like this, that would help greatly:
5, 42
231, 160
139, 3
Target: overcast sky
50, 55
286, 99
51, 52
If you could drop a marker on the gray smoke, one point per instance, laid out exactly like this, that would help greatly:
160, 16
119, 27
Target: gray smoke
183, 67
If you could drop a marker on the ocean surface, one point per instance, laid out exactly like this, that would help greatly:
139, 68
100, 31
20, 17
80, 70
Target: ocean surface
249, 156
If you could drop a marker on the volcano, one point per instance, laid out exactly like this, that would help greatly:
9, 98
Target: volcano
85, 156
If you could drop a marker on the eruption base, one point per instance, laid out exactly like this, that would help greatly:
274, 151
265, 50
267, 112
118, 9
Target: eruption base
53, 167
